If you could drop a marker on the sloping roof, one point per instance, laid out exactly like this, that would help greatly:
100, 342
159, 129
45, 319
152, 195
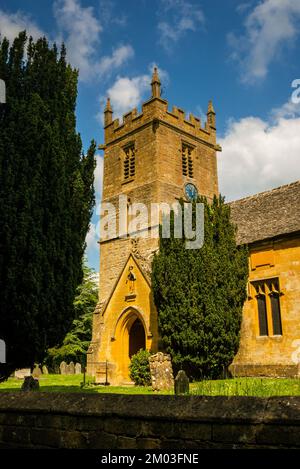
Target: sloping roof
267, 214
102, 306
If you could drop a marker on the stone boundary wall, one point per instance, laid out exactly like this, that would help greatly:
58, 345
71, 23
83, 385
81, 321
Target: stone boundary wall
110, 421
271, 371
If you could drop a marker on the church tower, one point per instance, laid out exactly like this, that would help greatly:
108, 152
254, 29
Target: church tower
156, 156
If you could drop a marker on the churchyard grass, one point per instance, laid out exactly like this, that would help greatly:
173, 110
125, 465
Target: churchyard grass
72, 383
260, 387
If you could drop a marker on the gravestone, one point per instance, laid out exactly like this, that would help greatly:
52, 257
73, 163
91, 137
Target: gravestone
30, 384
63, 368
71, 368
77, 369
161, 372
36, 371
182, 384
45, 370
23, 373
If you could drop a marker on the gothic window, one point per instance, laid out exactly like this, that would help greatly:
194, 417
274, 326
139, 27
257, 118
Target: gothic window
187, 161
262, 315
129, 162
268, 306
275, 307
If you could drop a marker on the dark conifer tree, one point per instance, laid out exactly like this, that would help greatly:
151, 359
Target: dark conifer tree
46, 199
199, 295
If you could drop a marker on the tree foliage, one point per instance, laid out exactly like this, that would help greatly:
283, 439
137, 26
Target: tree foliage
78, 338
199, 294
46, 198
139, 368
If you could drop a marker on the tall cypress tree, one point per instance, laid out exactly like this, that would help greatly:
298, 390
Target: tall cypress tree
199, 295
46, 199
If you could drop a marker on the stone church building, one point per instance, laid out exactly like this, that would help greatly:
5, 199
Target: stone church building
160, 156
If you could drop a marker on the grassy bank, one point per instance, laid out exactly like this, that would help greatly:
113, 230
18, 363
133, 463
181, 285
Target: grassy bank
260, 387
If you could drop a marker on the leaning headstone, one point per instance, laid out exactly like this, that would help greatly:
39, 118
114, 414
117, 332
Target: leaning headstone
71, 368
45, 370
182, 384
77, 369
62, 368
30, 384
21, 374
36, 371
161, 372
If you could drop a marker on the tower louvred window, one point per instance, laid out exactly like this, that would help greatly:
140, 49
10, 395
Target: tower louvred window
187, 161
129, 162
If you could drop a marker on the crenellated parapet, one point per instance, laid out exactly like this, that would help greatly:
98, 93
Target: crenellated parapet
154, 112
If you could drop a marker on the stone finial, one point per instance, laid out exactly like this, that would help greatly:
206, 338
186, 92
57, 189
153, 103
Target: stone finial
155, 84
108, 112
211, 115
210, 108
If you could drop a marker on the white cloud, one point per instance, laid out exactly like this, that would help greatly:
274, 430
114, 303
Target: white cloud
11, 24
271, 25
81, 31
118, 57
98, 181
93, 235
289, 110
110, 16
259, 155
127, 93
182, 17
92, 247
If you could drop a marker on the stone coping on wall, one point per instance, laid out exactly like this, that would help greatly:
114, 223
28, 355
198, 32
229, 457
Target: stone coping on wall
234, 409
114, 421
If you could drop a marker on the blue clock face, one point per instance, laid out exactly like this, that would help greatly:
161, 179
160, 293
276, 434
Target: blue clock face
191, 191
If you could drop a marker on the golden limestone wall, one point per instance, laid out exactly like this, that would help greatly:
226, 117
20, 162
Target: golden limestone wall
272, 355
171, 180
127, 303
157, 135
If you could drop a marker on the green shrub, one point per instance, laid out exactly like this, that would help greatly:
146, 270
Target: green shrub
140, 368
199, 294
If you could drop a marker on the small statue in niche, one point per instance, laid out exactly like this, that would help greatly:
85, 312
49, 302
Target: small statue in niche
131, 278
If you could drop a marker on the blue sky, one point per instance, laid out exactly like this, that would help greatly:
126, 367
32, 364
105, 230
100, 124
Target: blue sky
242, 54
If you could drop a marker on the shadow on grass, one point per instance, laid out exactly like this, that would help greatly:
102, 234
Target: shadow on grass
72, 384
72, 389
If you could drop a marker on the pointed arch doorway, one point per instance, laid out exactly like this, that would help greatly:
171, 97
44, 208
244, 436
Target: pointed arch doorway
129, 338
137, 339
